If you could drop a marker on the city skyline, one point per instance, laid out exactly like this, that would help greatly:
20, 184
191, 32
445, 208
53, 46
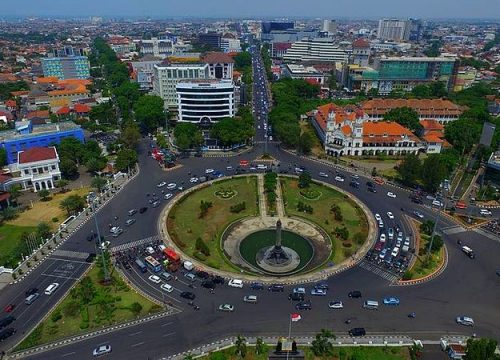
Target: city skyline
485, 9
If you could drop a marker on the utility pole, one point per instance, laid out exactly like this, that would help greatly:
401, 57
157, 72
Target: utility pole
438, 214
104, 268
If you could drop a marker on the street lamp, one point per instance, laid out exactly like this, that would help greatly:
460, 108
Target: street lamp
438, 214
105, 269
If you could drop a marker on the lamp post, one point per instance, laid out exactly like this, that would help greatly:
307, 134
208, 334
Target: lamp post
104, 268
438, 214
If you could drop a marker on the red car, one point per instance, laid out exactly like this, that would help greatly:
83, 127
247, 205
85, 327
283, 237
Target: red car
9, 308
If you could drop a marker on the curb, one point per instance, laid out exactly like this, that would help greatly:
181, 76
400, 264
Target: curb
429, 277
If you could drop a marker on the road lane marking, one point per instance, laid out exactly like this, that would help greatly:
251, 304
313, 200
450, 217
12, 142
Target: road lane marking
61, 277
138, 344
166, 324
136, 333
169, 334
68, 354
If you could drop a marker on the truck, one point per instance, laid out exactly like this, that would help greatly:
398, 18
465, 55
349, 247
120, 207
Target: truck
188, 265
172, 260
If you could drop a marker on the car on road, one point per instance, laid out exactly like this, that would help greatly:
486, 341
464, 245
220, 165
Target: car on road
379, 246
155, 279
372, 190
167, 196
299, 290
51, 288
31, 291
390, 215
391, 195
257, 286
162, 184
390, 233
194, 180
167, 287
304, 305
383, 238
209, 171
6, 321
318, 292
395, 251
155, 204
171, 186
322, 285
226, 307
105, 245
485, 212
468, 251
118, 231
296, 297
276, 288
102, 350
336, 304
190, 276
188, 295
378, 217
250, 299
357, 332
9, 308
465, 320
355, 294
129, 222
143, 209
208, 284
391, 300
418, 214
236, 283
322, 174
339, 178
437, 203
6, 333
132, 212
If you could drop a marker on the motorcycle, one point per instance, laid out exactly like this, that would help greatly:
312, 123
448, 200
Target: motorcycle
412, 315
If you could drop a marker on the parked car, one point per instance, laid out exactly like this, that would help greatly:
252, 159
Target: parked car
226, 307
391, 195
250, 299
129, 222
335, 304
257, 286
208, 284
171, 186
299, 290
236, 283
304, 305
357, 332
318, 292
9, 308
391, 300
161, 184
355, 294
188, 295
296, 297
276, 288
167, 287
465, 320
102, 350
155, 279
167, 196
143, 209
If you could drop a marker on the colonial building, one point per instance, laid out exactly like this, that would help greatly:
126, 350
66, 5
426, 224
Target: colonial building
38, 168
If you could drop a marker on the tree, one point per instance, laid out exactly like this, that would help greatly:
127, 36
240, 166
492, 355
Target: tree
433, 172
3, 157
463, 134
136, 308
95, 164
62, 183
125, 159
68, 168
98, 183
305, 143
409, 169
130, 135
15, 192
481, 349
71, 148
304, 180
231, 131
437, 243
321, 345
103, 113
72, 204
44, 194
427, 227
260, 346
373, 92
421, 91
188, 136
43, 230
149, 112
241, 346
8, 213
404, 116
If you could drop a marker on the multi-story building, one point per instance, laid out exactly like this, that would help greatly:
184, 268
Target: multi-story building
269, 26
415, 30
361, 52
212, 39
157, 47
329, 27
26, 135
206, 101
394, 29
69, 67
279, 49
220, 65
316, 50
38, 167
145, 71
308, 73
228, 44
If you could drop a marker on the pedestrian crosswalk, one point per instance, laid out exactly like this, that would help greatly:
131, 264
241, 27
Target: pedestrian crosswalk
122, 247
70, 254
378, 271
453, 230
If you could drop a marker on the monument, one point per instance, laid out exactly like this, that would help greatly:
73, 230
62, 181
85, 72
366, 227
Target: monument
278, 258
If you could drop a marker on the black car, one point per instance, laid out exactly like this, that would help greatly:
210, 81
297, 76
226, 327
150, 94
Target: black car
6, 321
321, 285
188, 295
357, 332
90, 258
276, 288
142, 210
257, 286
296, 297
218, 280
354, 184
7, 333
304, 305
208, 284
202, 274
31, 291
372, 189
355, 294
370, 184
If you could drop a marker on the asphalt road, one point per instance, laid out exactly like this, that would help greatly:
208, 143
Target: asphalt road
467, 287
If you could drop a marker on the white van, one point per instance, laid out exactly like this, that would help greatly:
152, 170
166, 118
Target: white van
371, 305
237, 283
51, 288
188, 265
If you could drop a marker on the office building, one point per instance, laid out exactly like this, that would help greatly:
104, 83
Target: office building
69, 67
220, 65
268, 26
144, 70
329, 27
69, 50
38, 167
206, 101
308, 73
27, 135
416, 29
211, 39
361, 52
157, 47
393, 29
316, 50
229, 45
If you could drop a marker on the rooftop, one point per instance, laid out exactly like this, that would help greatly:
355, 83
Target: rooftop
7, 135
37, 154
217, 58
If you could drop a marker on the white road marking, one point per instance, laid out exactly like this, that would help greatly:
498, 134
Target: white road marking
136, 333
68, 354
169, 334
138, 344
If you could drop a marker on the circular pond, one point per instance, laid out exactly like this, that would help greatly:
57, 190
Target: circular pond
256, 241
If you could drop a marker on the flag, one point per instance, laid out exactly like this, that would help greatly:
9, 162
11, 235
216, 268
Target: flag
296, 317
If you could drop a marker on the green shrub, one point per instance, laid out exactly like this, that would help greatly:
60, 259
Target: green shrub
201, 246
346, 244
84, 325
408, 275
359, 238
198, 255
136, 308
55, 219
56, 316
72, 308
238, 207
348, 252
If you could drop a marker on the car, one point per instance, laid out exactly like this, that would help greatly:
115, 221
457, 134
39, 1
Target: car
167, 196
209, 171
194, 180
51, 288
226, 307
390, 215
6, 321
208, 284
485, 212
236, 283
167, 287
9, 308
296, 297
150, 250
155, 204
468, 251
354, 184
171, 186
465, 320
102, 350
117, 232
357, 332
391, 300
336, 304
339, 178
395, 251
322, 174
276, 288
218, 279
129, 222
380, 224
391, 195
437, 203
257, 286
162, 184
250, 299
299, 290
132, 212
143, 209
304, 305
372, 189
188, 295
355, 294
379, 246
190, 276
155, 279
318, 292
382, 238
202, 274
390, 233
378, 217
6, 333
31, 291
322, 285
418, 214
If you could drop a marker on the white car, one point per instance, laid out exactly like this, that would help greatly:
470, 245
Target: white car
437, 203
171, 186
226, 307
322, 174
418, 214
167, 287
339, 178
236, 283
382, 238
102, 350
395, 251
162, 184
390, 215
485, 212
391, 195
209, 171
193, 180
105, 245
378, 217
465, 320
229, 168
155, 279
167, 196
335, 305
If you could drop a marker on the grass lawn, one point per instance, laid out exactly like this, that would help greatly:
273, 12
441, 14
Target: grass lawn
10, 243
45, 211
185, 226
353, 217
339, 353
316, 149
425, 265
110, 305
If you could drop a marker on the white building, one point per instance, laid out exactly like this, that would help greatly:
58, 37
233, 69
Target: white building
220, 65
316, 50
230, 45
157, 47
330, 27
38, 167
205, 101
394, 29
297, 71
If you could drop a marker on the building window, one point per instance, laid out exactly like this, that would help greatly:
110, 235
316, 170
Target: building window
26, 171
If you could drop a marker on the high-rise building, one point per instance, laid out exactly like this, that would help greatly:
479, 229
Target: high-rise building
211, 39
69, 67
228, 44
330, 27
393, 29
316, 50
415, 30
361, 52
268, 26
205, 101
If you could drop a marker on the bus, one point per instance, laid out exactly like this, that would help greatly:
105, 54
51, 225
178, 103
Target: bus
153, 264
141, 265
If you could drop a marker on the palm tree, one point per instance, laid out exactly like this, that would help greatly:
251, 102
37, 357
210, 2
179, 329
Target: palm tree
98, 183
44, 194
62, 183
241, 346
322, 346
260, 347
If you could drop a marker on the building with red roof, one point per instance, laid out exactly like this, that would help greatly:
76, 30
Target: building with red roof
220, 65
38, 168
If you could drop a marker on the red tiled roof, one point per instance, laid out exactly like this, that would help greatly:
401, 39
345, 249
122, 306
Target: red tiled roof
385, 131
81, 108
37, 154
216, 58
38, 113
433, 138
346, 129
425, 107
429, 124
360, 43
65, 110
281, 46
11, 103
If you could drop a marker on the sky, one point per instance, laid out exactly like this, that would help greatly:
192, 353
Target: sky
489, 9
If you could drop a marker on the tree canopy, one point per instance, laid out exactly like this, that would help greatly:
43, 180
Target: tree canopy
231, 131
188, 136
125, 159
404, 116
409, 169
149, 112
8, 87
